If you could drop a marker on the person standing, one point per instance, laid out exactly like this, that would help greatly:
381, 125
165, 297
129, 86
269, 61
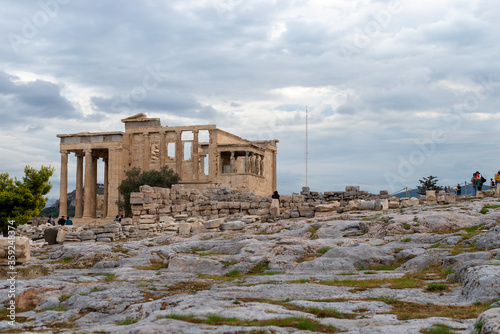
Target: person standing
474, 180
459, 190
497, 177
275, 204
492, 183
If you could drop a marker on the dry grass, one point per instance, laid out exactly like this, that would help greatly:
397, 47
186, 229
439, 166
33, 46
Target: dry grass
189, 287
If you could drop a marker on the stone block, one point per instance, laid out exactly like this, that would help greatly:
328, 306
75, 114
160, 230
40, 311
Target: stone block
136, 200
381, 204
87, 235
61, 235
214, 223
136, 195
22, 250
147, 221
384, 192
106, 235
294, 214
147, 226
450, 198
233, 226
367, 205
184, 228
126, 221
394, 205
309, 214
50, 235
103, 239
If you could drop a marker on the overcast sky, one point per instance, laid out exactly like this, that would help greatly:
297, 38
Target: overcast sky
395, 90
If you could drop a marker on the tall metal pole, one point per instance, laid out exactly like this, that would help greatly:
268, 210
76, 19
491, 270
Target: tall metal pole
307, 147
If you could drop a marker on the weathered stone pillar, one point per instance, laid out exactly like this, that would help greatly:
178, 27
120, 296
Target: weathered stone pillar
274, 171
114, 179
262, 166
106, 186
79, 186
87, 197
195, 158
247, 163
202, 164
147, 152
233, 163
94, 186
257, 165
213, 156
163, 149
63, 194
179, 153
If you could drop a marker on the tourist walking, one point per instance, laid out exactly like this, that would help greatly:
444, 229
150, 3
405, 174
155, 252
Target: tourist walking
275, 204
459, 190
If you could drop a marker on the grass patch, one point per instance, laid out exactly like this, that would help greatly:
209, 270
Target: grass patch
233, 273
406, 240
435, 245
472, 231
120, 249
323, 250
228, 263
249, 251
259, 269
197, 249
436, 287
393, 283
313, 229
294, 322
59, 308
155, 265
406, 226
95, 289
189, 287
434, 272
437, 329
127, 321
110, 277
67, 259
64, 298
407, 310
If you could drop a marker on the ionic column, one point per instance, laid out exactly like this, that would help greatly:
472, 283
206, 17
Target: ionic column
213, 156
194, 148
246, 162
106, 192
163, 149
94, 186
114, 179
257, 165
179, 153
79, 186
147, 152
274, 182
87, 195
202, 164
63, 194
232, 163
262, 166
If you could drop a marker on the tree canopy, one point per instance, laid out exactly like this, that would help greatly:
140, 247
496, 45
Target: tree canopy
428, 183
21, 200
163, 178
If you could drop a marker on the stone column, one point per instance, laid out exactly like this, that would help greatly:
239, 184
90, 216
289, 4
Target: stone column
114, 179
87, 196
63, 194
213, 156
196, 157
233, 163
246, 168
94, 187
79, 186
273, 170
163, 149
106, 190
147, 152
257, 164
179, 153
262, 166
202, 164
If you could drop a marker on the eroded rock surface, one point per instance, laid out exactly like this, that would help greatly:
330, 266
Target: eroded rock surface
396, 271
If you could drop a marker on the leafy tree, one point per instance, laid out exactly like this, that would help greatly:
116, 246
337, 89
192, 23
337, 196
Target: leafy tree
428, 183
21, 200
163, 178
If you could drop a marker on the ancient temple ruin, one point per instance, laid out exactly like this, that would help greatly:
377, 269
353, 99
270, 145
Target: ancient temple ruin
201, 155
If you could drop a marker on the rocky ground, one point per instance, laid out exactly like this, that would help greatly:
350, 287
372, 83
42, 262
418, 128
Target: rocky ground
425, 269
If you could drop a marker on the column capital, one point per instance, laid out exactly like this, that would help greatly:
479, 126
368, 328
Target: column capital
64, 151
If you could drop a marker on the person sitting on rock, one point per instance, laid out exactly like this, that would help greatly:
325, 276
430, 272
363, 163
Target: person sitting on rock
61, 221
69, 221
51, 221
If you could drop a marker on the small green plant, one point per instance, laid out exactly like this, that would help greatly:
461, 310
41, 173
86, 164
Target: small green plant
67, 259
236, 302
479, 326
435, 245
436, 287
63, 298
438, 329
415, 219
249, 251
406, 240
95, 289
228, 263
110, 277
483, 210
406, 226
323, 250
127, 321
197, 249
233, 273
